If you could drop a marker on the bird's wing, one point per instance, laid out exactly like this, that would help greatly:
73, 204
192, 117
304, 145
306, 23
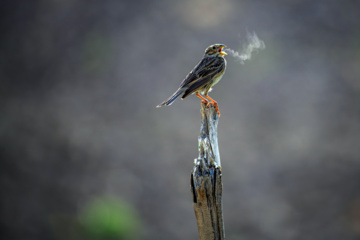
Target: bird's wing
196, 85
207, 66
205, 76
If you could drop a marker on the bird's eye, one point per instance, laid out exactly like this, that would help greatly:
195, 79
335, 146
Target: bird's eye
213, 47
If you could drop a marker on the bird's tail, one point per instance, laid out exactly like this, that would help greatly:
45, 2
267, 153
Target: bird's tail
171, 99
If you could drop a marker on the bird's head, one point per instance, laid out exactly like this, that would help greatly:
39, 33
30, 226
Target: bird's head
216, 50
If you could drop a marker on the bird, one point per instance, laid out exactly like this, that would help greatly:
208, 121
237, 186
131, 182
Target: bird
203, 77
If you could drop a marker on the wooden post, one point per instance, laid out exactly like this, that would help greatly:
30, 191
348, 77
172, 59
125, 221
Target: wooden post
206, 179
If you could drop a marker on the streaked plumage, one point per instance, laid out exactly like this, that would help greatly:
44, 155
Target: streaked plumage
206, 74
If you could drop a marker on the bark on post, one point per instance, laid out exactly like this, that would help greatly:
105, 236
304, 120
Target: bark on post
206, 179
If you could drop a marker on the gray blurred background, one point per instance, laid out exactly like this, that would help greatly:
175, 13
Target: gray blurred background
84, 151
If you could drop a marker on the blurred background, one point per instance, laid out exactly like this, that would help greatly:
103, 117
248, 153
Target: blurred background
86, 155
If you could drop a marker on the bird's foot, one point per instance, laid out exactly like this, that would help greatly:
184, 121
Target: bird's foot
205, 102
216, 107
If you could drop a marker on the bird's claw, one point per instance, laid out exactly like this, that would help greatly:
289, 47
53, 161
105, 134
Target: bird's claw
215, 105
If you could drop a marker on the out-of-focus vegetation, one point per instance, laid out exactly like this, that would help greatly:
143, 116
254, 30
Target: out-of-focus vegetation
105, 219
79, 82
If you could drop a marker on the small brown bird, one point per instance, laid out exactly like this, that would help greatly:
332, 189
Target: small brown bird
205, 74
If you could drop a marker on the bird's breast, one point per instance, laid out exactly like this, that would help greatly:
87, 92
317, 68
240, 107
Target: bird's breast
217, 79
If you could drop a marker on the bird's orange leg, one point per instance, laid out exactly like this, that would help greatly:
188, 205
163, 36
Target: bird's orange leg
203, 99
213, 102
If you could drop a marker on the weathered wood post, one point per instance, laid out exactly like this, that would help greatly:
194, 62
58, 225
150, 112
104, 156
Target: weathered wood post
206, 179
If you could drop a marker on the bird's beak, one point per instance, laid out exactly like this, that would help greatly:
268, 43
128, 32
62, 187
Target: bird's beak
221, 52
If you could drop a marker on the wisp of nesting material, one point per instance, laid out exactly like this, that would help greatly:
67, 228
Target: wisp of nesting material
253, 43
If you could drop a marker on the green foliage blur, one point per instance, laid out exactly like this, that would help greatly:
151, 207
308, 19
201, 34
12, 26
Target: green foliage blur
109, 218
